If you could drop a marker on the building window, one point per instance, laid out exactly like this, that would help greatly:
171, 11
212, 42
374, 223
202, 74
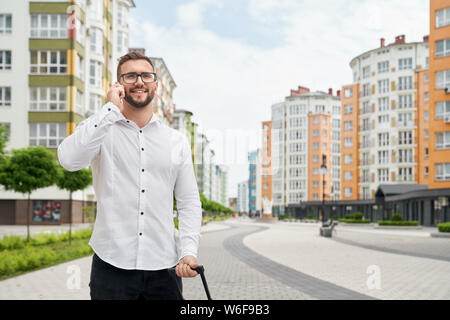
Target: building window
5, 60
383, 175
365, 142
347, 192
405, 83
80, 103
48, 62
348, 176
426, 78
443, 79
320, 109
79, 67
442, 110
95, 102
348, 159
405, 137
405, 102
383, 119
348, 125
405, 64
348, 92
405, 174
48, 135
315, 133
315, 184
383, 157
95, 74
443, 140
348, 109
95, 10
5, 96
49, 26
383, 67
405, 156
48, 99
443, 48
383, 86
122, 14
316, 146
405, 119
7, 127
383, 139
348, 142
5, 23
443, 172
366, 72
383, 104
442, 17
316, 120
96, 43
366, 90
336, 124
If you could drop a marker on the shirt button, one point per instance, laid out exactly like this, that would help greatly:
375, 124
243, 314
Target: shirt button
140, 131
109, 109
142, 149
140, 233
142, 170
95, 126
128, 121
142, 213
143, 191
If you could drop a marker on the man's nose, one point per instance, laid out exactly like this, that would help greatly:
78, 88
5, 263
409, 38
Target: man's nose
139, 80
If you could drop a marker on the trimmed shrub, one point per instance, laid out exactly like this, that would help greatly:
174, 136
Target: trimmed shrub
444, 227
399, 223
397, 217
354, 220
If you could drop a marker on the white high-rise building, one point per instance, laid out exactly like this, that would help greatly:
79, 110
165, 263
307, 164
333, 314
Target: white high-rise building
305, 133
60, 59
243, 197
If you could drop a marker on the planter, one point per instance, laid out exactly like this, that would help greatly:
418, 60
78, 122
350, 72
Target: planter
440, 235
398, 227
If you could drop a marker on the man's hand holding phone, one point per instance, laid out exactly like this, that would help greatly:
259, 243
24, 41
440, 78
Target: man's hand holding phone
116, 94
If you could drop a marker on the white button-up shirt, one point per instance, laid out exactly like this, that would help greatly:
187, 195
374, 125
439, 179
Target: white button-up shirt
135, 171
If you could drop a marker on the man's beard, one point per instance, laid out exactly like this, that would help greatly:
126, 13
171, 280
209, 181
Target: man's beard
139, 105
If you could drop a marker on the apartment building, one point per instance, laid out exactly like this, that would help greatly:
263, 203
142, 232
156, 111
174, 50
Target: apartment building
57, 61
381, 119
306, 137
266, 163
242, 197
439, 95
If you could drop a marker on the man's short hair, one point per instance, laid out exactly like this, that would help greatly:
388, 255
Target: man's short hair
132, 56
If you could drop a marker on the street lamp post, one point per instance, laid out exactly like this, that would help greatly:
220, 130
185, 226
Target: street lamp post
323, 169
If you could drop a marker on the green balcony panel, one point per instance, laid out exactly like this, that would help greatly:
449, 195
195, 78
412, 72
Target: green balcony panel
50, 44
53, 117
49, 80
49, 7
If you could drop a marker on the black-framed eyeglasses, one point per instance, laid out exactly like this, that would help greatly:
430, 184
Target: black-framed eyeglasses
131, 78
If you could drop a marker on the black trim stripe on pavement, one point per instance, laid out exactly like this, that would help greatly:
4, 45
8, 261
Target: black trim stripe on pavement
389, 250
309, 285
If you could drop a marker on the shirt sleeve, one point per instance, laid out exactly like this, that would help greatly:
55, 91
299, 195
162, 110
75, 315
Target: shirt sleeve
77, 150
188, 204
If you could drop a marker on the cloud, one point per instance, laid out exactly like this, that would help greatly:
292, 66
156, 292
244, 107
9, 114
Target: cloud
230, 84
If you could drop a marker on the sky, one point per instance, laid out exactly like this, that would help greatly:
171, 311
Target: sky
233, 59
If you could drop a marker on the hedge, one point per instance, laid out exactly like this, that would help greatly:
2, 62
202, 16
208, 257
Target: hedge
398, 223
444, 227
14, 242
354, 220
29, 258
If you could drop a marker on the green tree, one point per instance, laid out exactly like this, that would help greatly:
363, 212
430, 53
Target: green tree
27, 170
3, 140
73, 181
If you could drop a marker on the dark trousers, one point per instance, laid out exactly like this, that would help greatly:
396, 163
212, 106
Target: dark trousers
111, 283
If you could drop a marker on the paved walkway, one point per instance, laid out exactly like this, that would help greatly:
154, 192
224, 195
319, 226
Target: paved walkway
248, 260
